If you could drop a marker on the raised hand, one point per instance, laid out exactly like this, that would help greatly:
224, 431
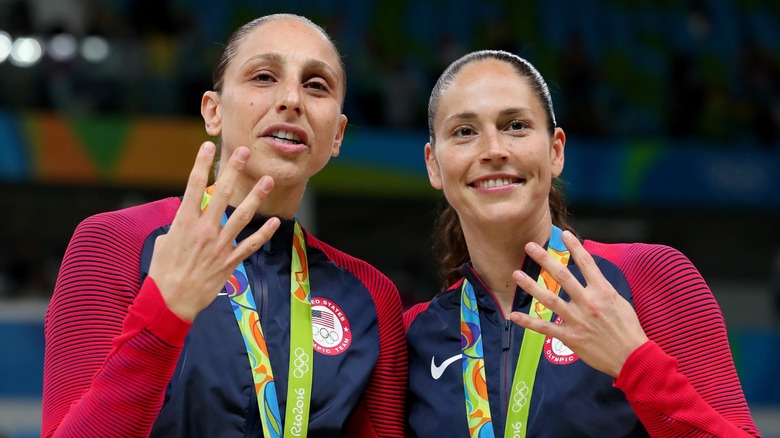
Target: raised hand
599, 325
193, 261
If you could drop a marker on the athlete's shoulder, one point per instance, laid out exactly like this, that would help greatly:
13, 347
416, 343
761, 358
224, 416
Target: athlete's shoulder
653, 272
411, 313
636, 255
134, 222
157, 213
443, 303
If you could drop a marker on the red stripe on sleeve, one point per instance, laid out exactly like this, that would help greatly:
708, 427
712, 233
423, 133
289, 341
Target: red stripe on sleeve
412, 313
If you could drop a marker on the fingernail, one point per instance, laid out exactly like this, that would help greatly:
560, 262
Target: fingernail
532, 246
208, 147
266, 183
566, 234
242, 154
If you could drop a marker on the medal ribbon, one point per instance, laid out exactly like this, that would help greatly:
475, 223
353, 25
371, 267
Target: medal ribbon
478, 414
301, 341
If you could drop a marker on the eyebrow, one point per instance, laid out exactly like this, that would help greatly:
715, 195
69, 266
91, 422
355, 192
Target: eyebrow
502, 113
513, 111
271, 57
278, 58
461, 116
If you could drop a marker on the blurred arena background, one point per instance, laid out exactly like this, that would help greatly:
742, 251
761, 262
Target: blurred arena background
672, 111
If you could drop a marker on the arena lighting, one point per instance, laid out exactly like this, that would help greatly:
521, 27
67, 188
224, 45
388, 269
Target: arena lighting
62, 47
95, 49
5, 46
25, 52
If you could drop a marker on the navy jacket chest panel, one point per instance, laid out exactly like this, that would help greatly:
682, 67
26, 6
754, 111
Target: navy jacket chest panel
568, 400
211, 393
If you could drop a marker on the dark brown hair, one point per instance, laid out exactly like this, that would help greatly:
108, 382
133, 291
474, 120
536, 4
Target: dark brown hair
450, 241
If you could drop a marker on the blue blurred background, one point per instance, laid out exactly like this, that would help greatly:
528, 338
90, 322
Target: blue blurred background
672, 111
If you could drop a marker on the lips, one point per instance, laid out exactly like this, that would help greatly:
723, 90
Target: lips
286, 134
493, 182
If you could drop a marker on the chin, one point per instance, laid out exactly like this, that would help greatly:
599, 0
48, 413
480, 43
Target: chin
503, 216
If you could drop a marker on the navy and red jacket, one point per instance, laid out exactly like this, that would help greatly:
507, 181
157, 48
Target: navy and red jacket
664, 389
119, 363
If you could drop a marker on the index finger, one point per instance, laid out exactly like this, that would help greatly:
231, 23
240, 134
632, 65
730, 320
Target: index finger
198, 179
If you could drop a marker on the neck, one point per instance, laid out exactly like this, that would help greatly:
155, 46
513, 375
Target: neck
496, 252
282, 201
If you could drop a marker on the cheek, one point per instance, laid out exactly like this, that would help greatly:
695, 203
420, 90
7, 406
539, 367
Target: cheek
538, 159
451, 173
452, 164
326, 125
245, 106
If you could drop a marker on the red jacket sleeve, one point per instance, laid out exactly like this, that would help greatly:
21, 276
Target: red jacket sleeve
111, 344
683, 381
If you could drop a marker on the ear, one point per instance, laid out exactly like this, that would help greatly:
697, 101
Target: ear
211, 113
434, 173
339, 136
556, 152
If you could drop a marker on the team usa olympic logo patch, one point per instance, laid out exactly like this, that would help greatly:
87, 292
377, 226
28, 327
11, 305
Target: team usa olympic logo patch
330, 327
556, 352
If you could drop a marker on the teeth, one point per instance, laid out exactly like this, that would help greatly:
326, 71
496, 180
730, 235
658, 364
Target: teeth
287, 135
500, 182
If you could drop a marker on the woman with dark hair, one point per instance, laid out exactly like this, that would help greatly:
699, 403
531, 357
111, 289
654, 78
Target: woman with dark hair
216, 314
539, 333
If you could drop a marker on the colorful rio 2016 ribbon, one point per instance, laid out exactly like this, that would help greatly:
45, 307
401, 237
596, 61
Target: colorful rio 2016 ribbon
478, 414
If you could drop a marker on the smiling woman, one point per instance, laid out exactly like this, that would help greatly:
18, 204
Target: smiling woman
174, 318
555, 336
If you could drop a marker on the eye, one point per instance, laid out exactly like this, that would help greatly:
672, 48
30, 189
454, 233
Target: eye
317, 84
516, 125
263, 77
463, 131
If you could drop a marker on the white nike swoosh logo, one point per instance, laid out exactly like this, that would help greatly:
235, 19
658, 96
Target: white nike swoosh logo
437, 371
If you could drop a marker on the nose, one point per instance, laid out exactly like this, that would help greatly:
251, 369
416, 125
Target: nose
290, 99
493, 148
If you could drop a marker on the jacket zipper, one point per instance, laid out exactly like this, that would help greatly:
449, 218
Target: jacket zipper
506, 376
260, 285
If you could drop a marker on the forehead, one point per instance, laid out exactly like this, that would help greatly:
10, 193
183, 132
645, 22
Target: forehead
486, 85
293, 39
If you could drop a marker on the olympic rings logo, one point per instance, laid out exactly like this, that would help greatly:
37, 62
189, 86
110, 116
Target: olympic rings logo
301, 363
519, 398
325, 336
